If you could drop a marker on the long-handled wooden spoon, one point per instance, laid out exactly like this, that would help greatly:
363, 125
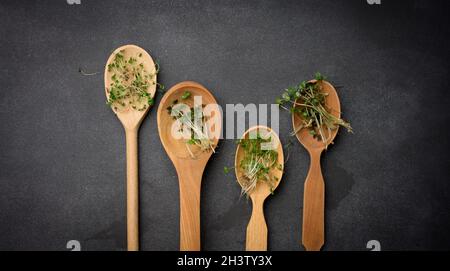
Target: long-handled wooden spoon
131, 120
189, 169
257, 228
313, 234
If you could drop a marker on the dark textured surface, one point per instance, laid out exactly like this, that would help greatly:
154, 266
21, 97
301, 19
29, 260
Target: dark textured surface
62, 153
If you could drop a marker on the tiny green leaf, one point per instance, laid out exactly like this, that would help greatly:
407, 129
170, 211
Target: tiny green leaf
319, 76
186, 95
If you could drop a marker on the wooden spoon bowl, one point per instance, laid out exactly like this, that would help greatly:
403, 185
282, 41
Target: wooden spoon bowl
257, 228
332, 102
165, 121
313, 233
189, 169
131, 120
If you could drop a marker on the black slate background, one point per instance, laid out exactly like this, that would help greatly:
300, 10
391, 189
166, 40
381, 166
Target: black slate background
62, 152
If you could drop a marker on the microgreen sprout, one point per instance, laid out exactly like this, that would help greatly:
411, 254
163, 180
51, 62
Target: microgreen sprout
186, 95
130, 82
226, 170
192, 121
307, 100
82, 72
257, 163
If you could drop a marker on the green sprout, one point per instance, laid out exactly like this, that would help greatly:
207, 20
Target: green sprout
307, 100
194, 121
257, 163
130, 82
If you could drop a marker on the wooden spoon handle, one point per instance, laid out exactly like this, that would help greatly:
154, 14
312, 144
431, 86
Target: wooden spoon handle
132, 190
314, 205
190, 185
257, 228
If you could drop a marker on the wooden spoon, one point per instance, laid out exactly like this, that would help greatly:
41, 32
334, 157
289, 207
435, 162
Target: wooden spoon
189, 169
131, 120
314, 189
257, 227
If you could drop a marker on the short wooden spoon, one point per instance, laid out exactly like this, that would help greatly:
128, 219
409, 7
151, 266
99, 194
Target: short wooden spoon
313, 234
257, 228
189, 169
131, 120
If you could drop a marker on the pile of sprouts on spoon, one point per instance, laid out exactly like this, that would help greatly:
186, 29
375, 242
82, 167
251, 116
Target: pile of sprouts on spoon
307, 100
193, 123
130, 82
257, 163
